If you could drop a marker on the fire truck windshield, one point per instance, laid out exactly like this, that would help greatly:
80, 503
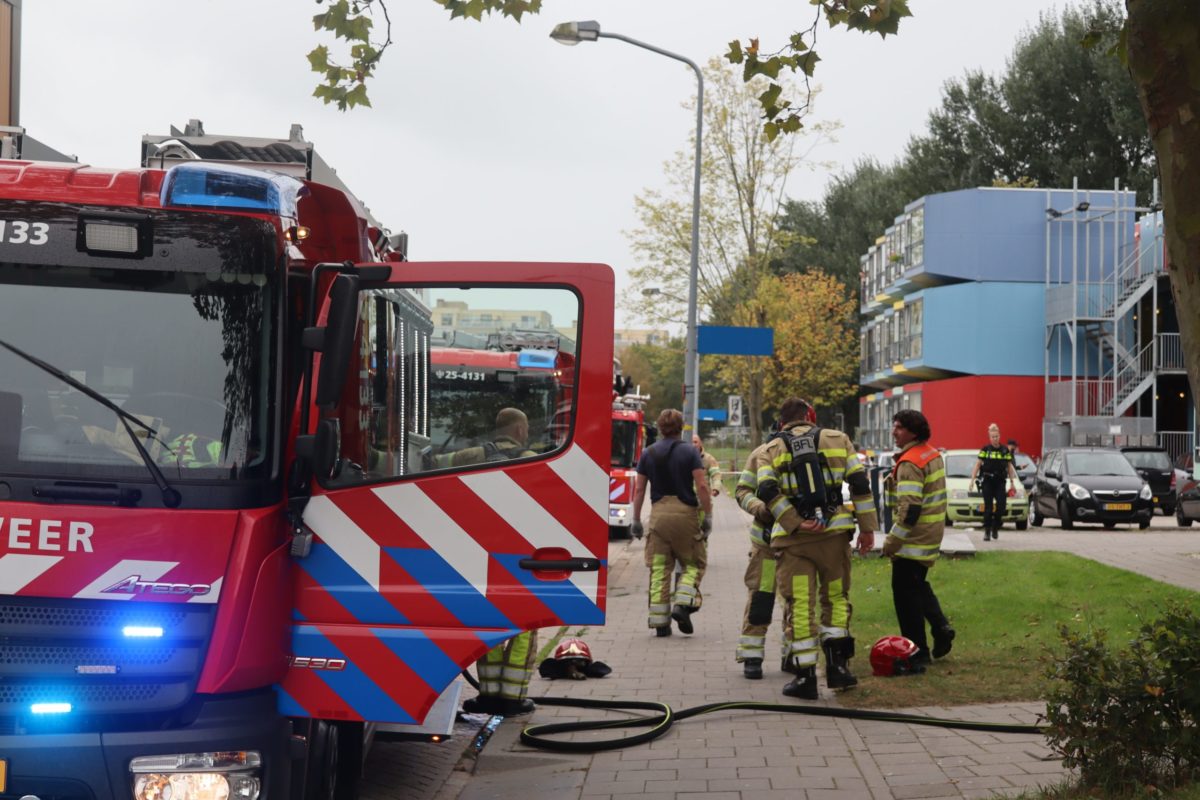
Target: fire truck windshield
624, 442
187, 353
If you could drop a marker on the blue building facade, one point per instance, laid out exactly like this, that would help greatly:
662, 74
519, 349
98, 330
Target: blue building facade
958, 298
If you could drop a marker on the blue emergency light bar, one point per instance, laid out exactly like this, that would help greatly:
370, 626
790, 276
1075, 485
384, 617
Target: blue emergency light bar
142, 631
51, 708
229, 188
537, 359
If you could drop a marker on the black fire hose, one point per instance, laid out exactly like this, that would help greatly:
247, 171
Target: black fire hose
664, 717
661, 721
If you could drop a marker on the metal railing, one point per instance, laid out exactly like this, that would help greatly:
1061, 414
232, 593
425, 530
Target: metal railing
1091, 396
1127, 376
1170, 352
1176, 443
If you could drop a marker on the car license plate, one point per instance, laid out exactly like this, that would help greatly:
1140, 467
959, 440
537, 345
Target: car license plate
1118, 506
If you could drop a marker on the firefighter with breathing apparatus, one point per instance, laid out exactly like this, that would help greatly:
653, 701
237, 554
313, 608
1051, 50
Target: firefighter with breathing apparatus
799, 473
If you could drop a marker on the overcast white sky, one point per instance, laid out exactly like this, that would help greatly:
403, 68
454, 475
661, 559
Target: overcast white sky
486, 140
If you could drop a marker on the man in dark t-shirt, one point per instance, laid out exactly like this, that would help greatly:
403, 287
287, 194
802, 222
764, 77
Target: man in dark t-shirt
680, 515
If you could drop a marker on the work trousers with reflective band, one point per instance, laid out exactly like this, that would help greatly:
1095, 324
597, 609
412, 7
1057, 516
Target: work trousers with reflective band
506, 669
673, 535
995, 497
809, 573
915, 601
760, 578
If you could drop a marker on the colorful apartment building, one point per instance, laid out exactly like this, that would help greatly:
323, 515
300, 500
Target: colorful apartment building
1002, 304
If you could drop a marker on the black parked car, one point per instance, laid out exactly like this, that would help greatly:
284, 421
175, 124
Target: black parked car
1187, 510
1026, 471
1154, 465
1090, 484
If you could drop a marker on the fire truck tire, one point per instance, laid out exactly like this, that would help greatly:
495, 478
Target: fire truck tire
321, 767
334, 766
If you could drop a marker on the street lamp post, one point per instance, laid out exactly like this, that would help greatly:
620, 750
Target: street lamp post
572, 33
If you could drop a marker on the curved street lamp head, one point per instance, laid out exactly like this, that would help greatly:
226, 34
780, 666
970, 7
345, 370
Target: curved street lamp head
572, 33
650, 291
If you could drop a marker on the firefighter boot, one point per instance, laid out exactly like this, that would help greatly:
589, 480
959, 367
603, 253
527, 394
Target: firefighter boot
752, 669
787, 665
683, 618
837, 662
804, 685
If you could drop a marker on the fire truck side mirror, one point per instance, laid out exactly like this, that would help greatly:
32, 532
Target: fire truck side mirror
336, 340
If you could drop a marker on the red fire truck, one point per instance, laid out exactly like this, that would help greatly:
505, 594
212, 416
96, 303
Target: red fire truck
630, 435
221, 553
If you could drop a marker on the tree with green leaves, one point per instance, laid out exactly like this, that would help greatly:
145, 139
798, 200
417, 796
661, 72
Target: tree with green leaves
1160, 40
816, 344
743, 186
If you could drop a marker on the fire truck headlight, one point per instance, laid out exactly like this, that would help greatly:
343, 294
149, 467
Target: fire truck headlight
197, 776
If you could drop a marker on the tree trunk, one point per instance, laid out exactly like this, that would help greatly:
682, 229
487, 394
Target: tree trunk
1163, 43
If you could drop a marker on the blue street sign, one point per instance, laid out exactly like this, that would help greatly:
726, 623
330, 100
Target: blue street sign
713, 414
730, 341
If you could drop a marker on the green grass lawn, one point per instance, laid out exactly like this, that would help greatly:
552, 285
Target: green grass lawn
1006, 608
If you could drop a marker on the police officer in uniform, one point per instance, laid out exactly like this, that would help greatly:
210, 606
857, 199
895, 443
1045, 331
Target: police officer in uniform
994, 463
799, 472
915, 540
680, 517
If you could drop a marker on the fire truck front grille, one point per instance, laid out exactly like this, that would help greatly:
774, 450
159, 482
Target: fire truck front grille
99, 658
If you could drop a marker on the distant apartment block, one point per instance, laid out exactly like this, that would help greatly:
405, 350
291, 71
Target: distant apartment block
624, 337
1041, 310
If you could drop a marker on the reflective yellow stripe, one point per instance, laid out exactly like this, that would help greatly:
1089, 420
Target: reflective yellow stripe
766, 582
658, 572
833, 452
840, 616
931, 477
800, 611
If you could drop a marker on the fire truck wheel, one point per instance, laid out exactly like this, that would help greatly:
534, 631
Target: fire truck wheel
321, 772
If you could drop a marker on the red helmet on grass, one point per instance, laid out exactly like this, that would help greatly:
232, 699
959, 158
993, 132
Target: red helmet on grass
892, 655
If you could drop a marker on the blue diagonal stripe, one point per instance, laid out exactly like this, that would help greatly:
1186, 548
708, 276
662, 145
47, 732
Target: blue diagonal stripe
348, 587
424, 656
445, 583
562, 597
353, 685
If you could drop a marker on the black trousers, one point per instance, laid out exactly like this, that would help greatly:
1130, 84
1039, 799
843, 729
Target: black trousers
995, 500
915, 602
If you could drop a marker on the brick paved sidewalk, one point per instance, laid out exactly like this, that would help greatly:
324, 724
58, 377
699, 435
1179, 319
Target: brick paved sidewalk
750, 755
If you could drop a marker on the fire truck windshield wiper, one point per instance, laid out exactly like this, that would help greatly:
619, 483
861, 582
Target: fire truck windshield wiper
170, 497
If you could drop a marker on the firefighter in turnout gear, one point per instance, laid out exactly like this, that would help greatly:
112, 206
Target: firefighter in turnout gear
680, 519
504, 675
918, 489
505, 671
760, 574
799, 472
509, 441
712, 471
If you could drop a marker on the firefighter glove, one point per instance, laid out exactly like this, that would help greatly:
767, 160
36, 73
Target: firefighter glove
636, 530
705, 525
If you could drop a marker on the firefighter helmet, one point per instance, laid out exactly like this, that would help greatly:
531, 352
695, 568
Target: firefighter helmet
892, 655
572, 659
574, 648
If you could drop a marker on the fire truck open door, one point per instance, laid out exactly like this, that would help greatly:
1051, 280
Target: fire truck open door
431, 546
